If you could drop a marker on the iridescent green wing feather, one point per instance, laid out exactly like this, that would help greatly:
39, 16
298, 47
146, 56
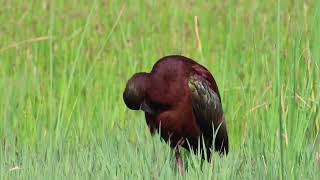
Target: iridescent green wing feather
208, 112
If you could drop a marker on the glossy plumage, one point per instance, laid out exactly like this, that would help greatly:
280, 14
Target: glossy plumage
181, 99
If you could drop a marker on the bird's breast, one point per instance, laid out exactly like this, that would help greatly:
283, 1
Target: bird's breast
174, 124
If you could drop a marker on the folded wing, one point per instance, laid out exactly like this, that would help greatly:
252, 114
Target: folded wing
208, 112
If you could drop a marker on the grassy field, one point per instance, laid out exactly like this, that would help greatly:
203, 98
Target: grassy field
64, 65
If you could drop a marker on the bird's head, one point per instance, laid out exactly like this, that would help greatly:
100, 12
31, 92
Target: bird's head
134, 94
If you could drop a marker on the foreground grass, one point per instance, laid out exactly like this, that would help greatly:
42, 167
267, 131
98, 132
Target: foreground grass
63, 67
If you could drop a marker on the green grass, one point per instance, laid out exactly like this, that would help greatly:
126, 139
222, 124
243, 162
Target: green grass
64, 65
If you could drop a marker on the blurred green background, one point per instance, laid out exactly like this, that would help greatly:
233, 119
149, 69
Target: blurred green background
64, 65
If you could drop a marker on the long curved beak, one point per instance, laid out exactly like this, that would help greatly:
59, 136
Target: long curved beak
146, 108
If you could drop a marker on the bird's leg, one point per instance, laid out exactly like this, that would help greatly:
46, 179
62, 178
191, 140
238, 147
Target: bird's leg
179, 160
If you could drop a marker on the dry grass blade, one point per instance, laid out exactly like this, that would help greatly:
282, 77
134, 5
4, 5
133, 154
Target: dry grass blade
15, 168
27, 41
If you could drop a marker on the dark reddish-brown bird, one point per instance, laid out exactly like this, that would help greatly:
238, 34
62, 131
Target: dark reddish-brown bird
181, 100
